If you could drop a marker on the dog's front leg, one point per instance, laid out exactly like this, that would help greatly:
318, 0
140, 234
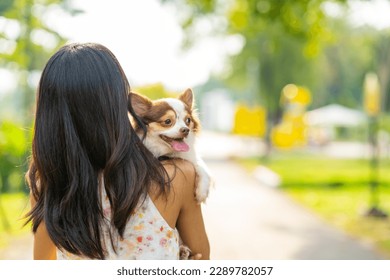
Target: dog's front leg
204, 180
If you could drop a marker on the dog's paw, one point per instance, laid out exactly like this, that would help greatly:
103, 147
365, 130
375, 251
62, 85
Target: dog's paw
201, 196
184, 252
203, 187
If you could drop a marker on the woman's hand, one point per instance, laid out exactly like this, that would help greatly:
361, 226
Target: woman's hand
195, 257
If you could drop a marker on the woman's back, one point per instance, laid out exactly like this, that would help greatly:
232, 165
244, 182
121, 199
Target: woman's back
153, 230
147, 235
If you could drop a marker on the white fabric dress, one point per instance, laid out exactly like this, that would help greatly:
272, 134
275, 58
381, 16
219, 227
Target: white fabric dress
147, 236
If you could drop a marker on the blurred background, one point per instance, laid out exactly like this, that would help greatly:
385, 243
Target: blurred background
294, 102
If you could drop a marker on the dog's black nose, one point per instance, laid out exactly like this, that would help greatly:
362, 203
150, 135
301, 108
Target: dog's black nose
184, 130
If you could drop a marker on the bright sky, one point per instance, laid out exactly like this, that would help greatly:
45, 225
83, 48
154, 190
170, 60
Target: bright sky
146, 38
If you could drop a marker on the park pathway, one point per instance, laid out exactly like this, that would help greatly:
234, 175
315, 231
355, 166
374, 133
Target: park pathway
246, 220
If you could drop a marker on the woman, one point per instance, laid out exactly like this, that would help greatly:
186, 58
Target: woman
96, 191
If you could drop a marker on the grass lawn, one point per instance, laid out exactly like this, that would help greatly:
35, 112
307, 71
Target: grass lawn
337, 190
13, 207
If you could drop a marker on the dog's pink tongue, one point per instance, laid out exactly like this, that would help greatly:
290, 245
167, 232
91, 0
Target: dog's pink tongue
180, 146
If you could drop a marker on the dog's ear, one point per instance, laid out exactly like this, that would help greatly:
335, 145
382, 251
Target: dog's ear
187, 97
141, 104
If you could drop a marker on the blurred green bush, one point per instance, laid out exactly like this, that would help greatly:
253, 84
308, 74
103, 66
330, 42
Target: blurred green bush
14, 148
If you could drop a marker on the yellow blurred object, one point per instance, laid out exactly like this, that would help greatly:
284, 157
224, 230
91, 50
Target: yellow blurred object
291, 132
295, 94
282, 135
372, 94
250, 121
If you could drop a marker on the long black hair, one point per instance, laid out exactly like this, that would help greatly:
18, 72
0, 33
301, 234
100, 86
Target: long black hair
82, 131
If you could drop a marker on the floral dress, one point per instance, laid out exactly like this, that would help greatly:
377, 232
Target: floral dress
147, 236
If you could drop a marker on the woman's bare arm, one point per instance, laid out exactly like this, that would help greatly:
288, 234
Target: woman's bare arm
44, 248
190, 220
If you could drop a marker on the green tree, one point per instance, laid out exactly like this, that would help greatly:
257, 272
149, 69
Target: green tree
24, 50
25, 47
282, 38
343, 64
13, 148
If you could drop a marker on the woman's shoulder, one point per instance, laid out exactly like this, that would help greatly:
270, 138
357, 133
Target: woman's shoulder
181, 192
177, 164
182, 175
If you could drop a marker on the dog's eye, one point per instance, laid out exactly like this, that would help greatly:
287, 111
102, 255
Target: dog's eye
188, 120
167, 121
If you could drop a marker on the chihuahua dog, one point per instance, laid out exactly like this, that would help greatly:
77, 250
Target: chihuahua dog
172, 125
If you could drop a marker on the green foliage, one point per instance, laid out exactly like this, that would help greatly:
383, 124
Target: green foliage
285, 38
5, 5
384, 123
28, 54
302, 18
308, 171
343, 65
12, 139
14, 147
13, 208
27, 51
